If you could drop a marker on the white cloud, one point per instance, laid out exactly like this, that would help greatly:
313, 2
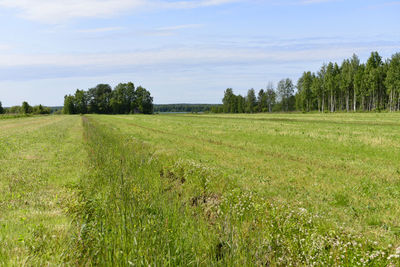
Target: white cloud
55, 11
308, 2
179, 56
179, 27
4, 47
100, 30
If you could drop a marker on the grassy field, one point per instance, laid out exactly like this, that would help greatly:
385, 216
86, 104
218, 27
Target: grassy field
281, 189
40, 159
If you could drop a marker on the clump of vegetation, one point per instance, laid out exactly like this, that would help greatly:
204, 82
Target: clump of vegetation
24, 110
102, 99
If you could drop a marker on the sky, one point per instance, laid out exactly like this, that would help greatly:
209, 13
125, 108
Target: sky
182, 51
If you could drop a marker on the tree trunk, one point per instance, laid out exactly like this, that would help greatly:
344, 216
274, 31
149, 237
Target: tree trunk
355, 101
319, 105
363, 103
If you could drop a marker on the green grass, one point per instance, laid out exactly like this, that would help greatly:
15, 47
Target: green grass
13, 116
41, 157
280, 189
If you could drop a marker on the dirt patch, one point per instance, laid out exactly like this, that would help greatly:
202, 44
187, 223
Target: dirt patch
168, 174
209, 203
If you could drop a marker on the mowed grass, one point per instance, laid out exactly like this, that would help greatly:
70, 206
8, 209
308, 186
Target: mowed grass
40, 159
200, 190
270, 189
345, 167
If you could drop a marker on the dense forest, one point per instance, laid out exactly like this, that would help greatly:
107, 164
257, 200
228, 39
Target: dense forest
193, 108
352, 86
102, 99
25, 108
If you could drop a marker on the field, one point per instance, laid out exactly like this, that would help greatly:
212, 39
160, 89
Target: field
274, 190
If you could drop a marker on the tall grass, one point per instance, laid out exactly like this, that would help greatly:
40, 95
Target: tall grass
138, 207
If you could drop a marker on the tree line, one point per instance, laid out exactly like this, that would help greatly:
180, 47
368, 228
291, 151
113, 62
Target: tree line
351, 86
193, 108
102, 99
25, 108
269, 100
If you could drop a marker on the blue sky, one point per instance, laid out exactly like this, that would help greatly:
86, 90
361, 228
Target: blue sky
182, 51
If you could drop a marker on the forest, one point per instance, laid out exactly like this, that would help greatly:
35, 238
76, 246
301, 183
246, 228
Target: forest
351, 86
191, 108
102, 99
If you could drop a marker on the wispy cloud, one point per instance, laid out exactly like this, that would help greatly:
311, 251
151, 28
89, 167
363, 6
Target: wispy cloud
179, 27
50, 11
100, 30
197, 55
5, 47
309, 2
388, 4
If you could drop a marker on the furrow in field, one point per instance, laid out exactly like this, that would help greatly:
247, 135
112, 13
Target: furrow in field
307, 160
311, 120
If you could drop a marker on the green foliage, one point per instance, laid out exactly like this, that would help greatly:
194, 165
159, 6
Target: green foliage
392, 82
352, 86
1, 109
190, 108
14, 110
285, 92
251, 101
69, 106
102, 99
26, 108
250, 104
41, 110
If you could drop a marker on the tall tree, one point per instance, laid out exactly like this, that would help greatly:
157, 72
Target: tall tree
374, 80
144, 101
1, 109
261, 100
346, 82
251, 101
360, 87
228, 101
304, 87
392, 82
241, 104
316, 88
285, 91
26, 108
122, 97
69, 106
270, 95
80, 102
332, 84
99, 99
355, 64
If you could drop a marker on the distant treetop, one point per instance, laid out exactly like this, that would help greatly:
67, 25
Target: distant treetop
102, 99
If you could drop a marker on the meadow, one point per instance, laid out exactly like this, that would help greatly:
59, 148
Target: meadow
188, 189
